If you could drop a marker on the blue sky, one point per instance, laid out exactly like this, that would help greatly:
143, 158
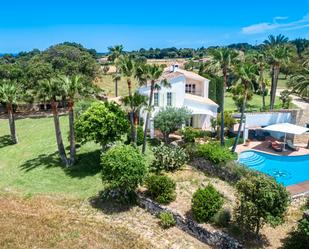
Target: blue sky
25, 25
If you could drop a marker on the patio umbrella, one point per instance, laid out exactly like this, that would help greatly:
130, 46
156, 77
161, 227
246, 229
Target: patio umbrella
286, 128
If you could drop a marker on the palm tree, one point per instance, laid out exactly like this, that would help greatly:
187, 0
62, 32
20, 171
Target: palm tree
276, 40
247, 74
149, 74
277, 56
73, 87
127, 69
51, 89
301, 45
10, 94
260, 60
300, 83
115, 53
138, 101
223, 59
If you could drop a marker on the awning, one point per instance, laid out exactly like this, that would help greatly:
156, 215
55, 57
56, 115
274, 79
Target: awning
200, 111
287, 128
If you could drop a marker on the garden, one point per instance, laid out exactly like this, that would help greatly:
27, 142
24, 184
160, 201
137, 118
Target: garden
94, 158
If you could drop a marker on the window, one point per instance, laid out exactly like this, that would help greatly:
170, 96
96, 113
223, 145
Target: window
190, 88
156, 99
169, 99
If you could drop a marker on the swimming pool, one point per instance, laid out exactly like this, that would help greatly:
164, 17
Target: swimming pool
287, 170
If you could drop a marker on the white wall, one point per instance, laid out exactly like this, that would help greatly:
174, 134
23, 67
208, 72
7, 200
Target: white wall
265, 119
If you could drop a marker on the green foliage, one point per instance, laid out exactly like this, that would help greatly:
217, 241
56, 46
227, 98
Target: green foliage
140, 136
167, 220
123, 168
102, 123
230, 141
161, 188
229, 121
260, 200
299, 238
82, 105
189, 134
238, 96
285, 99
222, 218
206, 202
170, 119
215, 153
169, 158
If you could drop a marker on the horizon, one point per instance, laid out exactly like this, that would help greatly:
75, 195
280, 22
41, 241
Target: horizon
136, 25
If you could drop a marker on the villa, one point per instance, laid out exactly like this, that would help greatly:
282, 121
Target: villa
187, 89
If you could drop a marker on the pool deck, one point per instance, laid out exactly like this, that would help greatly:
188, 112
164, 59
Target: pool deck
296, 190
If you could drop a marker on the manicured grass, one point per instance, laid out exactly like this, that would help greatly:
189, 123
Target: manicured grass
33, 166
253, 105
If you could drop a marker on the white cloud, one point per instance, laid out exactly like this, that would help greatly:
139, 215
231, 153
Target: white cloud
264, 27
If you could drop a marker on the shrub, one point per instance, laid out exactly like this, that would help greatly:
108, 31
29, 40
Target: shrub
102, 123
189, 134
123, 168
206, 202
140, 136
169, 158
161, 188
260, 200
167, 220
213, 152
170, 119
222, 218
298, 238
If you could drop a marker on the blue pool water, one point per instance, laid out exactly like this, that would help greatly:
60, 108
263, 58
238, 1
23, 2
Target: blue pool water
287, 170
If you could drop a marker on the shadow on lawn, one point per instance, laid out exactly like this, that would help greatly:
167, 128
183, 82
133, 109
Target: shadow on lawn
87, 164
5, 141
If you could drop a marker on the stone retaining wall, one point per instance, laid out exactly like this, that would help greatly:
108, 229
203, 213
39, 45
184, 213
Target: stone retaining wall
216, 239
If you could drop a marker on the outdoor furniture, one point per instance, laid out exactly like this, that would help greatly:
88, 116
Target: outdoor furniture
291, 146
278, 147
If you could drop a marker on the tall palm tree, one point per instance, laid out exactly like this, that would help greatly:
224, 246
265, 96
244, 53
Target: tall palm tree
73, 87
51, 89
247, 74
260, 60
150, 74
127, 69
277, 56
223, 59
10, 94
115, 53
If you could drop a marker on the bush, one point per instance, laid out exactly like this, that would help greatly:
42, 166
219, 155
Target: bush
189, 134
169, 158
222, 218
161, 188
167, 220
140, 136
299, 238
206, 202
213, 152
260, 200
123, 168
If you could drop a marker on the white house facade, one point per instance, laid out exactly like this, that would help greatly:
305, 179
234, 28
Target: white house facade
187, 89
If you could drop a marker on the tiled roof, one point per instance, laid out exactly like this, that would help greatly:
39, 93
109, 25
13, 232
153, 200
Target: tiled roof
200, 99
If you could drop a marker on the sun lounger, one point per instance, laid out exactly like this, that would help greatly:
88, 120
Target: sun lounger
276, 146
291, 146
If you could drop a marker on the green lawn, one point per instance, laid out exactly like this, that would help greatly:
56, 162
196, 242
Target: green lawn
32, 166
254, 105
